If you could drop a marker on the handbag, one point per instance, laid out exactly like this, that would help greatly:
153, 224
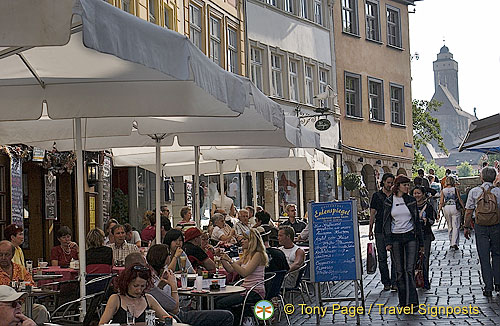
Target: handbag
458, 205
419, 271
371, 258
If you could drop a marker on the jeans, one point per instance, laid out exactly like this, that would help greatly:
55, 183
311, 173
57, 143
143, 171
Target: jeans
233, 301
404, 249
206, 317
488, 249
452, 216
427, 253
382, 261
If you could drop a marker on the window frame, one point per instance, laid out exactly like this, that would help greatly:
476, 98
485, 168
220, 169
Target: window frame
256, 65
375, 18
289, 6
323, 85
308, 88
194, 27
354, 13
293, 75
232, 51
152, 14
402, 122
381, 107
397, 24
122, 5
357, 93
213, 38
278, 72
315, 15
303, 11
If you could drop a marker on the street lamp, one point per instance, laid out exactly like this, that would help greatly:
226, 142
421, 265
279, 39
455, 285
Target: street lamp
92, 173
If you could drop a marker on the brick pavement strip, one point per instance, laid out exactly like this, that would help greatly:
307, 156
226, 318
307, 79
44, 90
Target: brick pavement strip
455, 281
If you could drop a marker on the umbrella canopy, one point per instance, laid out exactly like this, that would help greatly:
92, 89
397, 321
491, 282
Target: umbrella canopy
483, 136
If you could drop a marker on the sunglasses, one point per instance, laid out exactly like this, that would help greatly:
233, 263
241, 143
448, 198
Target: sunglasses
140, 268
14, 303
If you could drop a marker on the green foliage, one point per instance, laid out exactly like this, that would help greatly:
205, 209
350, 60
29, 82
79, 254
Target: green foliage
439, 171
465, 170
119, 206
492, 158
352, 181
426, 127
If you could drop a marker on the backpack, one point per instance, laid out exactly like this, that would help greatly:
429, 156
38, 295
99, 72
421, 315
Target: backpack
487, 209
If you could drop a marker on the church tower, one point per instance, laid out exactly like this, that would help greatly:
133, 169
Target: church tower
446, 72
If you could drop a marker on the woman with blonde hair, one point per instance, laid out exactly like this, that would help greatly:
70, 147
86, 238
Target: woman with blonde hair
99, 257
251, 267
450, 197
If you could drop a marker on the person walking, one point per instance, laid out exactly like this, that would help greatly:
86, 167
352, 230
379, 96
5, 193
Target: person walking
427, 216
376, 218
450, 196
483, 202
403, 236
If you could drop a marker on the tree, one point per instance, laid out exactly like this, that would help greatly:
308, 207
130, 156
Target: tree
425, 129
465, 170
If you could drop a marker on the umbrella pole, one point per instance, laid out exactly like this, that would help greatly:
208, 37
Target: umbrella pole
196, 198
301, 193
276, 197
221, 183
254, 191
81, 212
158, 190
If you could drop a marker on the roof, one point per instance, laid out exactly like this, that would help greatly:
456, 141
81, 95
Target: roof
483, 135
444, 49
454, 103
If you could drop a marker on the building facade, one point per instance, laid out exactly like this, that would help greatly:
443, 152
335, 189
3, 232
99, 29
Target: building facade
372, 52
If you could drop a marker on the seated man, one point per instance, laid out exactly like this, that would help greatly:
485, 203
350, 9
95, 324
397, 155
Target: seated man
10, 271
264, 219
222, 231
165, 291
120, 247
277, 259
10, 308
296, 223
242, 225
192, 248
294, 255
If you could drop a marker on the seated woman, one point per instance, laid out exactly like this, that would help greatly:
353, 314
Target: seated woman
132, 285
62, 255
251, 266
15, 234
99, 256
107, 229
206, 246
175, 240
222, 231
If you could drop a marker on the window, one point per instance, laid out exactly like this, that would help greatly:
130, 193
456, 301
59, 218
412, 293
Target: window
271, 2
393, 27
168, 17
349, 17
126, 5
288, 6
294, 85
215, 41
232, 50
372, 21
376, 99
397, 105
277, 86
323, 85
309, 85
152, 11
195, 25
352, 95
317, 12
256, 67
303, 12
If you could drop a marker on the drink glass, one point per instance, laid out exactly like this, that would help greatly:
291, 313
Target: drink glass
29, 266
217, 263
182, 262
130, 315
150, 317
184, 280
40, 260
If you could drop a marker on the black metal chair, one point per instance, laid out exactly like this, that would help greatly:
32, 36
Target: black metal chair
297, 288
266, 279
69, 313
273, 290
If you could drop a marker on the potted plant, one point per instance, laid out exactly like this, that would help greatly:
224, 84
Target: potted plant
352, 181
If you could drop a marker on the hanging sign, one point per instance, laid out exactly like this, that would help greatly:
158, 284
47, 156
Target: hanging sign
323, 124
50, 197
16, 190
38, 154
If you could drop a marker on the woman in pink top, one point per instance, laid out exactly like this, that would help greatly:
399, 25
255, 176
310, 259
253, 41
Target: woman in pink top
251, 266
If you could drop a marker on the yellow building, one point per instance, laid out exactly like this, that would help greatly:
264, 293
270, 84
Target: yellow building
216, 27
372, 52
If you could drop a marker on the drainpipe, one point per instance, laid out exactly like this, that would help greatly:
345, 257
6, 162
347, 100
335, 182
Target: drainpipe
247, 42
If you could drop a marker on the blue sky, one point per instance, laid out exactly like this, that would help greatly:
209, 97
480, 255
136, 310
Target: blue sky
470, 29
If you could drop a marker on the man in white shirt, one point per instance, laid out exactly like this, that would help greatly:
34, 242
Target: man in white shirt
293, 253
242, 225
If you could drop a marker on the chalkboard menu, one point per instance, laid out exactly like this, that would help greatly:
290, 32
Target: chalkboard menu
106, 187
16, 192
50, 197
334, 241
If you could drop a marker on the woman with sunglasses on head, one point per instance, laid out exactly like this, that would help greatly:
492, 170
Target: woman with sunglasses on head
403, 233
132, 297
251, 266
427, 216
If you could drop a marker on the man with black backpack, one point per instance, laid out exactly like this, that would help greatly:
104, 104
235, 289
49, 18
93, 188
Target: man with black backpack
484, 203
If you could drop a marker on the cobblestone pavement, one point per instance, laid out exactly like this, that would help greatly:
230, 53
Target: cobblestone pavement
455, 282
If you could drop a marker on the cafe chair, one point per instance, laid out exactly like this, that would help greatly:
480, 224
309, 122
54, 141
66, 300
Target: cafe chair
69, 313
297, 288
273, 290
269, 276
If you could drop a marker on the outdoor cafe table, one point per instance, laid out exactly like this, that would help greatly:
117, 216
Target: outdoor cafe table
225, 291
35, 292
67, 273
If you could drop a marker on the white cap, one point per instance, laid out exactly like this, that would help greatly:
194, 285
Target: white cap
8, 294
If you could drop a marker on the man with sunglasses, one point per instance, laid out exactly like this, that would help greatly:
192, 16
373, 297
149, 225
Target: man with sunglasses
10, 308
